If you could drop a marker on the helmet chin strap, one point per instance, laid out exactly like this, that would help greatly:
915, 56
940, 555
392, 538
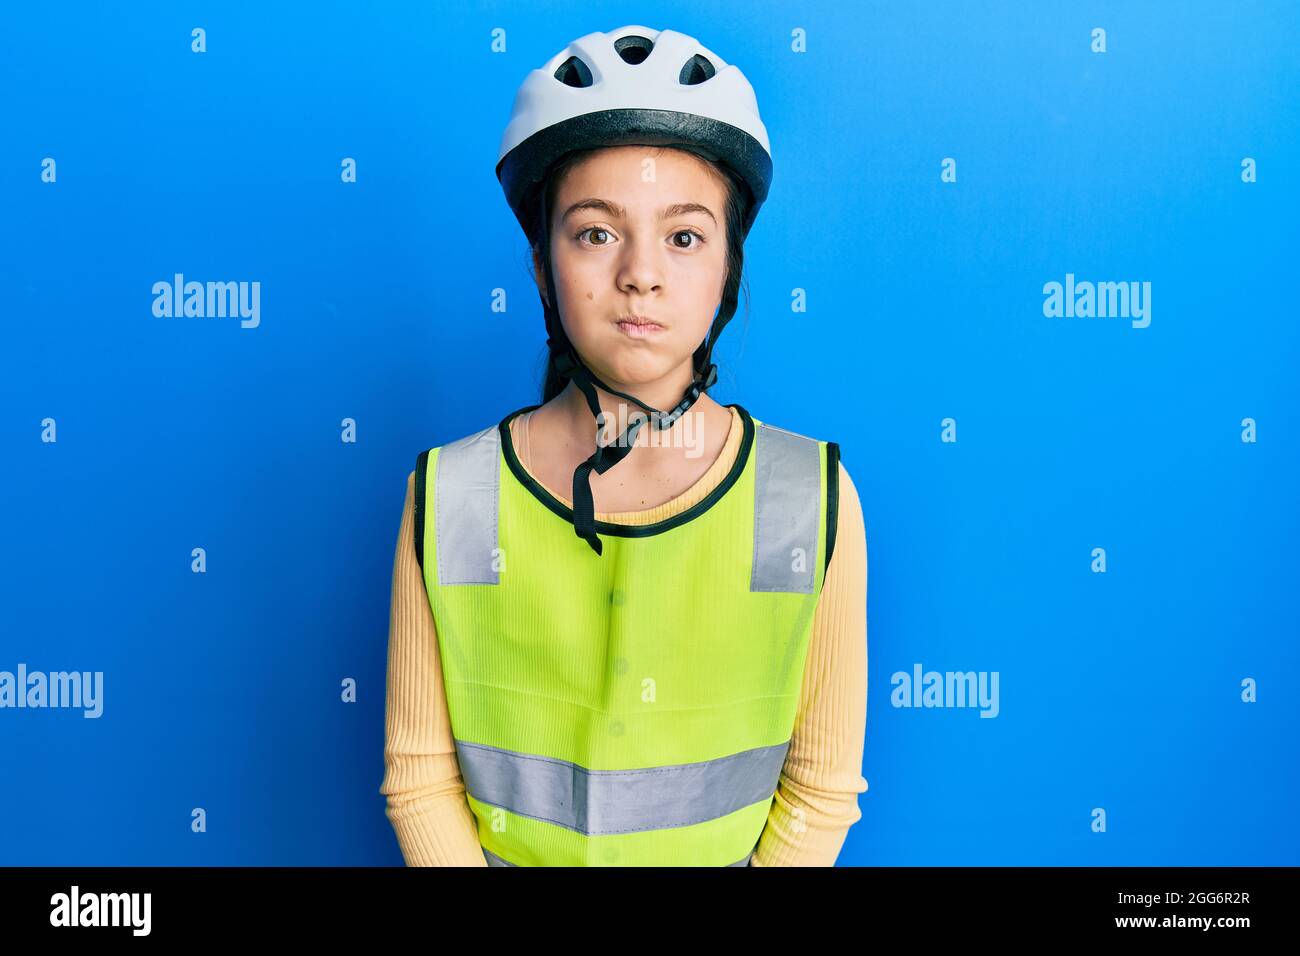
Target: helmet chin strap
607, 456
569, 365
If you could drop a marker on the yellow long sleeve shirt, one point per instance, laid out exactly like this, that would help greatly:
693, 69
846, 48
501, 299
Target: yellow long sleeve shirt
816, 800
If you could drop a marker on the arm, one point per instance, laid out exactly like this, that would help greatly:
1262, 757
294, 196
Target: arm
817, 796
422, 782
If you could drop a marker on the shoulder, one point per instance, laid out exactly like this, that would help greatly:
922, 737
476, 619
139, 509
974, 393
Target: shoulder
479, 447
467, 456
487, 434
793, 452
790, 437
850, 506
787, 442
410, 504
761, 424
850, 525
795, 442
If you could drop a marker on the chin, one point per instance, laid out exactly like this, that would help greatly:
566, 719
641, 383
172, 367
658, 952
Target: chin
632, 369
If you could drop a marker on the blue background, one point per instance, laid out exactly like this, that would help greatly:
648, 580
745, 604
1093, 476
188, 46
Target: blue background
1118, 690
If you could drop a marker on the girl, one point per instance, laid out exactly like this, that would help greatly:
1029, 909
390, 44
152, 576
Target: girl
679, 678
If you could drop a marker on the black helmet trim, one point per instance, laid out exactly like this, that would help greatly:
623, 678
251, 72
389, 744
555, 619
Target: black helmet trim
526, 167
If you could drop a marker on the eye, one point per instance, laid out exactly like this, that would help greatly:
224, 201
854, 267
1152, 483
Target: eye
698, 237
596, 229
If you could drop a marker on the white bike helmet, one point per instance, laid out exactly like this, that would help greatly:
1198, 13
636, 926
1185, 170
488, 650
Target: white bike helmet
631, 86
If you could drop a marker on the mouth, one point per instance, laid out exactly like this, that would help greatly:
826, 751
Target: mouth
638, 326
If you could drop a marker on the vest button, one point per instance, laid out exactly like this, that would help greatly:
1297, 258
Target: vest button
620, 665
617, 597
616, 728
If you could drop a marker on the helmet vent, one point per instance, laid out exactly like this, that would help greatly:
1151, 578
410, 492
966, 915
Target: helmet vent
697, 70
633, 49
573, 72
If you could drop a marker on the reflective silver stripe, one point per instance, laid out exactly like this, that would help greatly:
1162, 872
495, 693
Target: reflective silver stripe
598, 802
787, 509
494, 860
465, 501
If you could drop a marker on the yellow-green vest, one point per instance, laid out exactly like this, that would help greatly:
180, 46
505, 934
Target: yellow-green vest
632, 708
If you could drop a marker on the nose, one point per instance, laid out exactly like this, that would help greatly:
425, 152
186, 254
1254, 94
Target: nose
640, 268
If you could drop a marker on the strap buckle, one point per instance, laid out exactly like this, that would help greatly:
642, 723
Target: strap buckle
692, 394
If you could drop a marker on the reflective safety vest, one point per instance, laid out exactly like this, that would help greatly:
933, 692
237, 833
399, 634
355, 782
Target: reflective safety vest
632, 708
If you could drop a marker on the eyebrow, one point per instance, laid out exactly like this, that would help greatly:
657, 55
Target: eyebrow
616, 211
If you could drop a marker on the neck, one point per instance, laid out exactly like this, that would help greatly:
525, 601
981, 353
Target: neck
663, 395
